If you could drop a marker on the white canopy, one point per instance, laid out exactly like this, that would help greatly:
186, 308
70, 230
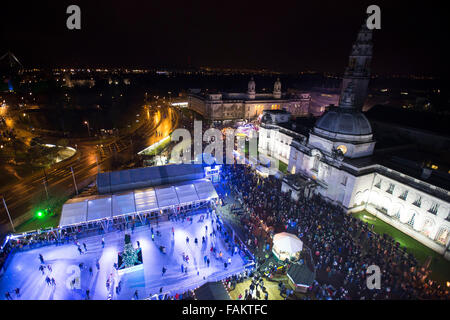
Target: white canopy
286, 246
186, 193
166, 196
145, 200
96, 208
123, 204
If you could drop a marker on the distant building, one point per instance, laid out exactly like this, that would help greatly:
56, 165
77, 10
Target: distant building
337, 160
247, 106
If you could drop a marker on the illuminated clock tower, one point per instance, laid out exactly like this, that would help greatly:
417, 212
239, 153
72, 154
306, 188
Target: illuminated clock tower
358, 69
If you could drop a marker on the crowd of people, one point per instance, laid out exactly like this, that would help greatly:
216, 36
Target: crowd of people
343, 247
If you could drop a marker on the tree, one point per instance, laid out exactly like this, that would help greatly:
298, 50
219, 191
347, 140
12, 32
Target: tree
129, 256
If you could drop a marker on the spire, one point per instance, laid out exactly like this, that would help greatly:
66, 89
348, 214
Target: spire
358, 69
348, 97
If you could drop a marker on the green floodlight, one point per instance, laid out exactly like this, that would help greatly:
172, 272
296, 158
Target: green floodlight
39, 214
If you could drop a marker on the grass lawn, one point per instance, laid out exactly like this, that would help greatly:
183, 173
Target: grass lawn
283, 167
439, 266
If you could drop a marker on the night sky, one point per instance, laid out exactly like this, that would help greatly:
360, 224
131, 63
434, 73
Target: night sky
277, 35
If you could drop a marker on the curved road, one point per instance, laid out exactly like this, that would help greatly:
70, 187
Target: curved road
22, 196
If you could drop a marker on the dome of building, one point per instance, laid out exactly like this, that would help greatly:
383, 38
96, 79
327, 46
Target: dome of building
344, 121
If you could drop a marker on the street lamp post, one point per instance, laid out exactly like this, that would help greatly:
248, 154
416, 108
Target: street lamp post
9, 216
74, 181
45, 186
88, 128
45, 183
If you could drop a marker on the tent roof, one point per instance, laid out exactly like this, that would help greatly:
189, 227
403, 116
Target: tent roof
82, 210
123, 204
145, 200
212, 291
166, 196
110, 182
287, 242
301, 274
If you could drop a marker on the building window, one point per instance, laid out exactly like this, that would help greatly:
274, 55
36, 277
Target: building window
391, 188
378, 184
434, 209
418, 201
411, 221
404, 195
344, 180
443, 236
316, 163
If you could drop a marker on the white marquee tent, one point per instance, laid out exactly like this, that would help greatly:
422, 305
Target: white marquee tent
286, 246
96, 208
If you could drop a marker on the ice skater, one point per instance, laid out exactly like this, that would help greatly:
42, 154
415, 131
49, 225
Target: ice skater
42, 268
85, 247
164, 270
41, 258
103, 242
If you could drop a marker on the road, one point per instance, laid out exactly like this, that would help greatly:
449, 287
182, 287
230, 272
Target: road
23, 196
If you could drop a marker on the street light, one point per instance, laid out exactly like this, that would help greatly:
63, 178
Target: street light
9, 216
89, 129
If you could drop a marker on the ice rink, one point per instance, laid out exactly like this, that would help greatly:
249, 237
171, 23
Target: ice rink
23, 270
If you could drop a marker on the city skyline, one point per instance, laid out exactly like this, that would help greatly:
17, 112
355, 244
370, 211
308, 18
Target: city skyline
288, 37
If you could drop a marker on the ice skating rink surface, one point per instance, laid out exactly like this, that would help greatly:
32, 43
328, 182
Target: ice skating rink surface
23, 270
